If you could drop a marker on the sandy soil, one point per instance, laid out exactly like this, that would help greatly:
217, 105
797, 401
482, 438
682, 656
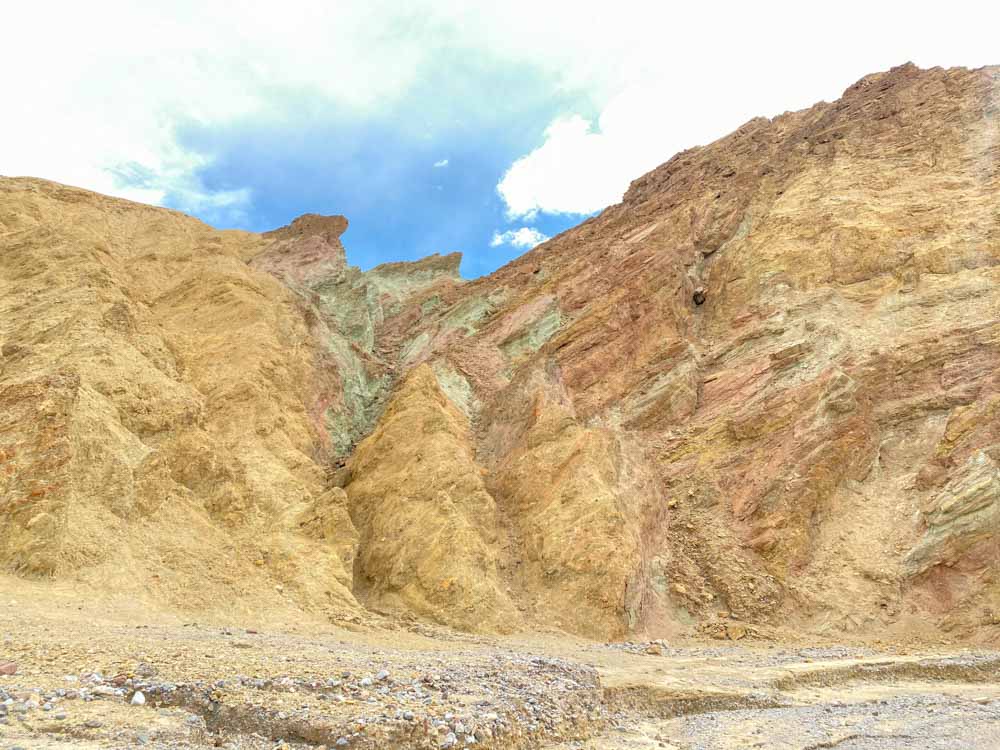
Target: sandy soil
286, 680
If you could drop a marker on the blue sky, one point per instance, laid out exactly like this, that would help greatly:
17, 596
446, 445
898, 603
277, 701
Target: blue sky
543, 110
408, 190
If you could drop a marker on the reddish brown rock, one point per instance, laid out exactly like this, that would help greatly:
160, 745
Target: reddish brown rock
800, 323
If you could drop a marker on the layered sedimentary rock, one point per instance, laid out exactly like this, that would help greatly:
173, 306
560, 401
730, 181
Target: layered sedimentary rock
344, 308
155, 397
766, 384
800, 327
964, 515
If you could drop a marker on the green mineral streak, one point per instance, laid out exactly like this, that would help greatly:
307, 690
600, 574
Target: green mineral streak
430, 305
362, 397
530, 339
354, 304
467, 314
456, 387
414, 347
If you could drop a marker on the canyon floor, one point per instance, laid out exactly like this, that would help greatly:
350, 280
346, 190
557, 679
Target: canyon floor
290, 681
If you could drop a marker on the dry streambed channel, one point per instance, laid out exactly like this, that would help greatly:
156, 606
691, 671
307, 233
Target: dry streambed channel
79, 681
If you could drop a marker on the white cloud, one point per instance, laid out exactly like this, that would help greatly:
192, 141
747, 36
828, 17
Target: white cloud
439, 164
721, 66
583, 165
98, 97
97, 93
525, 237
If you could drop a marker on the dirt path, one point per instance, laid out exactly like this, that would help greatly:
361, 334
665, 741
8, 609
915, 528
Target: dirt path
109, 674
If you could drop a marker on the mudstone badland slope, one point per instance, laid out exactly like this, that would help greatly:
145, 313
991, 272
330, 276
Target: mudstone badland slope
763, 388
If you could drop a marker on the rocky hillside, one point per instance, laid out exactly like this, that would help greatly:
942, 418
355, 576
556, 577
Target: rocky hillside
764, 390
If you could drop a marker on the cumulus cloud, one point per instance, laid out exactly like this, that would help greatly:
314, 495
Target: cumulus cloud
441, 163
720, 68
525, 238
584, 165
100, 96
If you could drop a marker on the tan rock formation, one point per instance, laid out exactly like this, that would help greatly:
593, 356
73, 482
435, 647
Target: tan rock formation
580, 500
767, 383
429, 529
154, 399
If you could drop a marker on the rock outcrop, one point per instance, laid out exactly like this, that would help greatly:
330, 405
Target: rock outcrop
800, 326
344, 308
429, 529
766, 384
964, 515
155, 397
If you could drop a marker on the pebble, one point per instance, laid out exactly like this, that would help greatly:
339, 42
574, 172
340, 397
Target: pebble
399, 694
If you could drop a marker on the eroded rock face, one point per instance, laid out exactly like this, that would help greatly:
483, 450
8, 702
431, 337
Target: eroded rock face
767, 384
578, 499
430, 532
800, 323
344, 308
155, 395
963, 515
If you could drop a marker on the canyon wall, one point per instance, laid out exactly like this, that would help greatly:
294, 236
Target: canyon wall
763, 389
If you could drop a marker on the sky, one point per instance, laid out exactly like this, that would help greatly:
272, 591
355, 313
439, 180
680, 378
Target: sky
434, 126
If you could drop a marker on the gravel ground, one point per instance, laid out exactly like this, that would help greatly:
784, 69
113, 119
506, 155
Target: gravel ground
253, 690
76, 676
924, 722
